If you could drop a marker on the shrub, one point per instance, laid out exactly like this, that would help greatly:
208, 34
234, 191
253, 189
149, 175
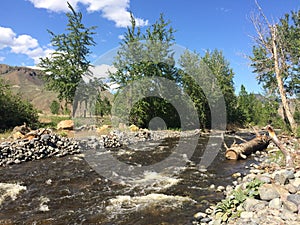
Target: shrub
54, 107
14, 111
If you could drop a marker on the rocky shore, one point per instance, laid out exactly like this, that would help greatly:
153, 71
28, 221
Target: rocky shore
44, 143
40, 144
268, 194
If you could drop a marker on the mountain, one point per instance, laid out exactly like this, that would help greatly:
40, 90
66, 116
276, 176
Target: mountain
29, 84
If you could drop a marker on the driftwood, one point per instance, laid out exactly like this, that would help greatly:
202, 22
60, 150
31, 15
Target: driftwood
289, 162
236, 151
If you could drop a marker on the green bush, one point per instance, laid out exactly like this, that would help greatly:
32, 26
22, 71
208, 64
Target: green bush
228, 207
54, 107
14, 111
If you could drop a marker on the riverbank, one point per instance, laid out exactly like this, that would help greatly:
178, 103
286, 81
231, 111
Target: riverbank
269, 194
44, 143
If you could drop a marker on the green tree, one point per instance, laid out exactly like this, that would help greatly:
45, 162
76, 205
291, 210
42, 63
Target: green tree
146, 55
214, 74
276, 57
66, 66
102, 106
54, 107
14, 111
220, 68
256, 109
192, 69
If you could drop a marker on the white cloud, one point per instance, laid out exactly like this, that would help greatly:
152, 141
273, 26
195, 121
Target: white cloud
6, 37
101, 71
22, 44
121, 37
114, 10
2, 58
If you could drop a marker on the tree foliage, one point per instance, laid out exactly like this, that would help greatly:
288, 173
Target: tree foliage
212, 71
146, 55
14, 111
287, 40
257, 109
66, 66
54, 107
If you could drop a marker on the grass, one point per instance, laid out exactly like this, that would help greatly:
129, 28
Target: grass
5, 134
51, 121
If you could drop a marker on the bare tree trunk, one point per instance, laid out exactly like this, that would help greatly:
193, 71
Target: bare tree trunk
289, 161
282, 92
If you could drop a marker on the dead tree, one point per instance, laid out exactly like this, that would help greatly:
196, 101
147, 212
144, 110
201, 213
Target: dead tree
289, 162
269, 39
236, 151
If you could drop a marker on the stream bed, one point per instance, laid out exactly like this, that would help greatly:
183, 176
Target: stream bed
71, 190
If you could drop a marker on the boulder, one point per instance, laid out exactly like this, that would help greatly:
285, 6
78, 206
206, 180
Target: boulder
65, 125
133, 128
104, 129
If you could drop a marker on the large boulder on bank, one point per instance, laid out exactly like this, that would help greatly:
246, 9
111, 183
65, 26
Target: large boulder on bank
65, 125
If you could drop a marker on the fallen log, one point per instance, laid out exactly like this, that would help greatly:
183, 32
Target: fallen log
236, 151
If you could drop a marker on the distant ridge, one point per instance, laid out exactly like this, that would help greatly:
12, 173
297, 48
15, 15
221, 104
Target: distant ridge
28, 83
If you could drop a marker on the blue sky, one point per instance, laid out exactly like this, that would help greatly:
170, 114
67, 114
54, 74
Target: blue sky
201, 25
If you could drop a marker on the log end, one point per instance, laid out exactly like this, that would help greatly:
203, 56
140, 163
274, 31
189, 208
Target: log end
231, 155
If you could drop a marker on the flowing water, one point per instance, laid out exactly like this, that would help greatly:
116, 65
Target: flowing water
70, 190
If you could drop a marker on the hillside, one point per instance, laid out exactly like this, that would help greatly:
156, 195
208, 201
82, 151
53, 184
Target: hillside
29, 84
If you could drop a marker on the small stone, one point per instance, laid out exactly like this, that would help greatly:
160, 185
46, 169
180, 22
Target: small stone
200, 215
290, 206
288, 216
9, 162
251, 204
264, 178
283, 176
236, 175
275, 203
65, 125
220, 188
246, 215
291, 188
295, 198
49, 181
296, 183
267, 192
17, 161
297, 174
205, 220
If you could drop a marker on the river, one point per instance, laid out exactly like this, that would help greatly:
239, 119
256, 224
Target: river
70, 190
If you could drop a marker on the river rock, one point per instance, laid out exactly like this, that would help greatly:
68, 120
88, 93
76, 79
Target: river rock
283, 176
246, 215
295, 198
43, 145
268, 192
133, 128
200, 215
252, 204
290, 206
275, 203
65, 125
